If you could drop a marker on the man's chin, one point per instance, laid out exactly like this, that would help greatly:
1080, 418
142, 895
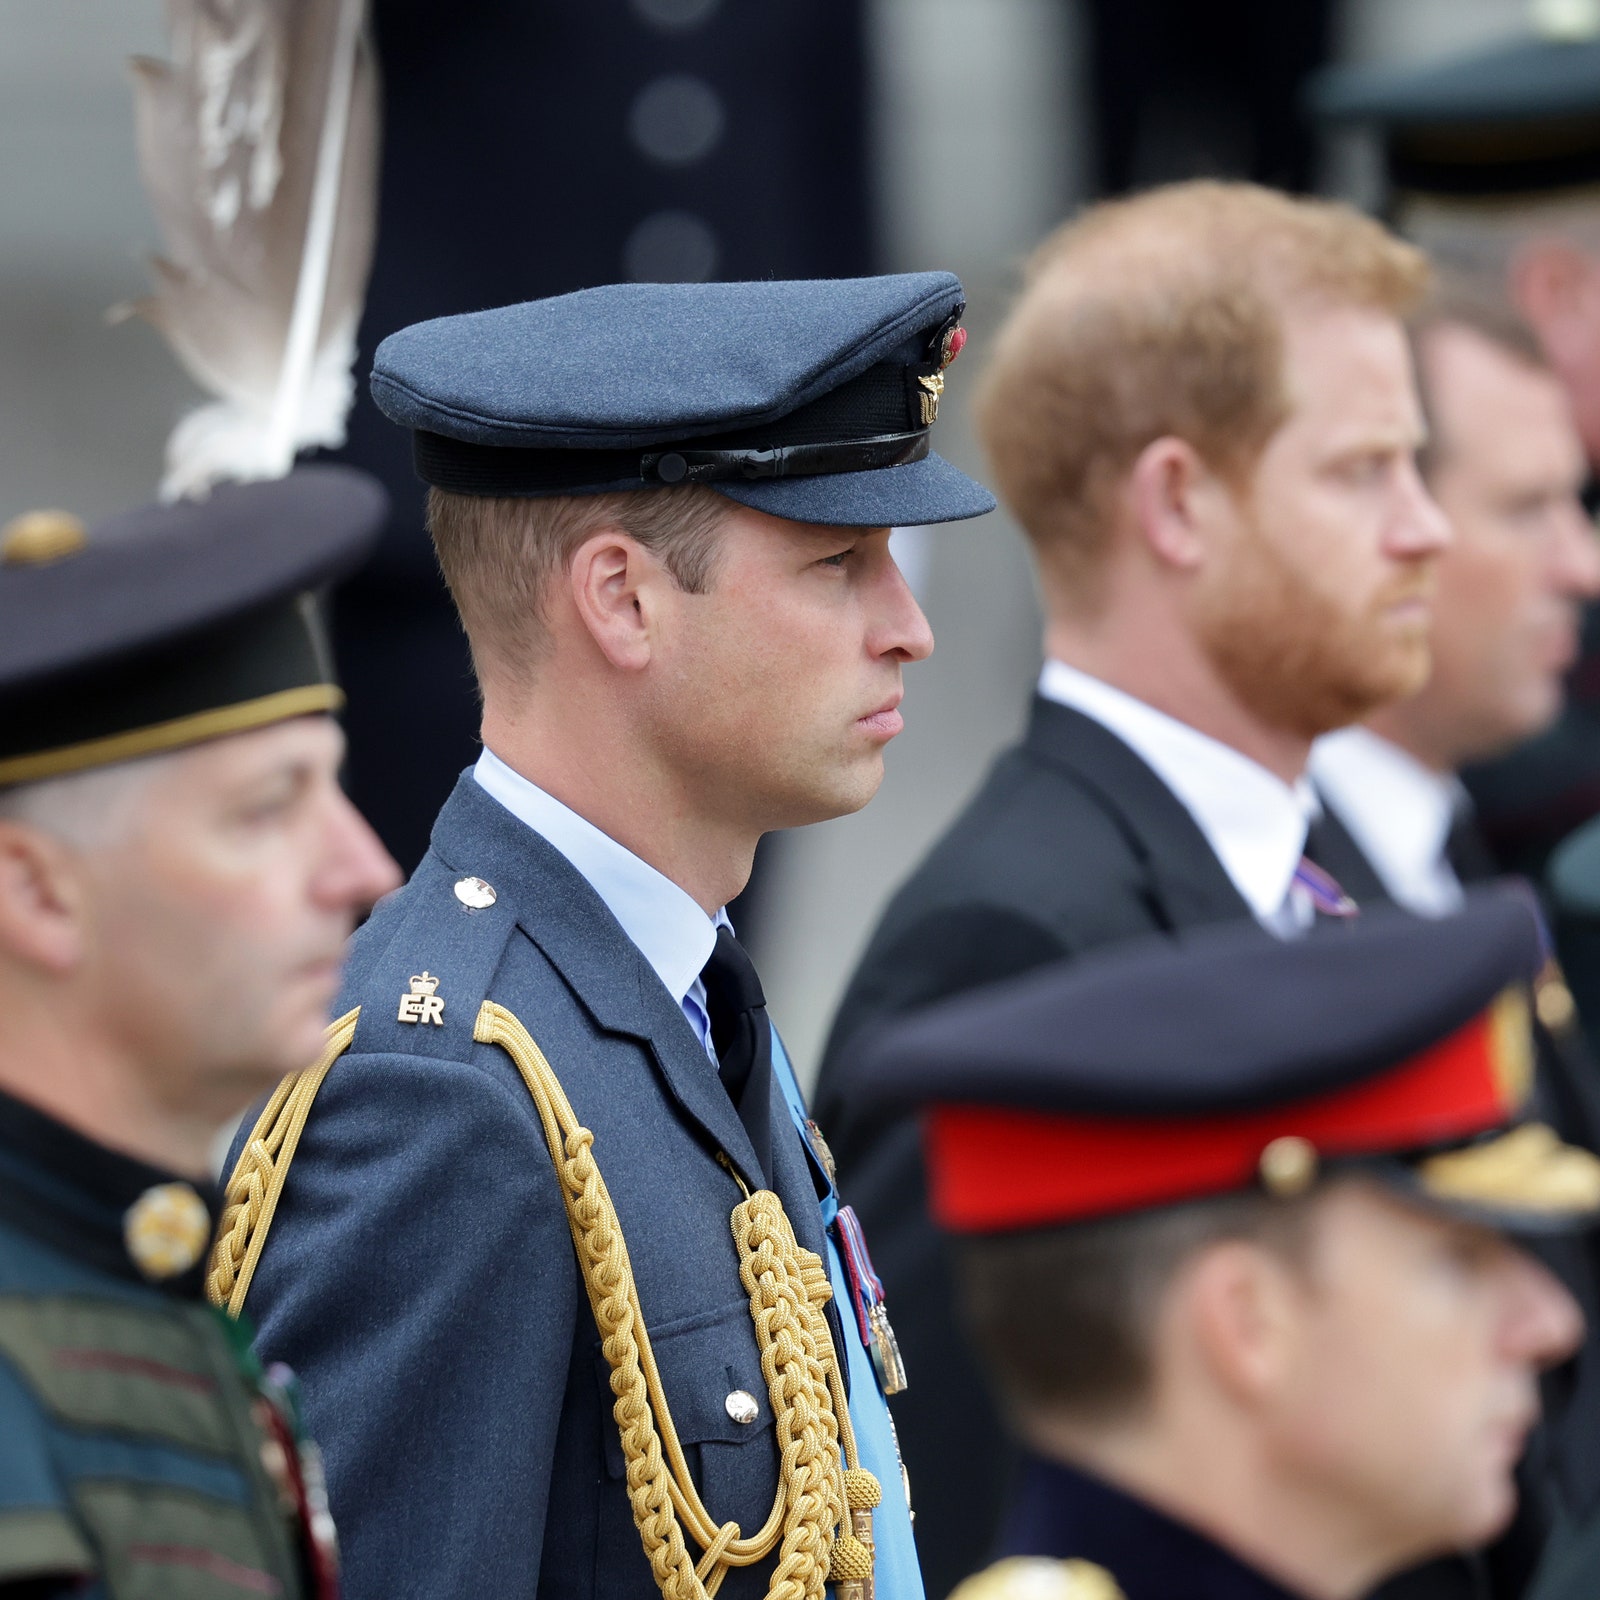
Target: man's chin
302, 1043
1495, 1506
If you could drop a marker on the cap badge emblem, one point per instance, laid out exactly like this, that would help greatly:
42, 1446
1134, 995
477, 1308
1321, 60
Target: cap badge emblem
932, 385
423, 1004
1288, 1166
166, 1230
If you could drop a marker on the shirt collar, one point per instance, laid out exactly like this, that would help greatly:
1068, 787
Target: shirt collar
1254, 821
1398, 811
670, 929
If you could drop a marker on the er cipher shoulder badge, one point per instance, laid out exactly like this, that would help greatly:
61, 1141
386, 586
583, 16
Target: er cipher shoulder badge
424, 1003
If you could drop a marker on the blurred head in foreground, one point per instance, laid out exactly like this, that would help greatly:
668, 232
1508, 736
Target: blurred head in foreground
1202, 412
179, 868
1254, 1268
1506, 463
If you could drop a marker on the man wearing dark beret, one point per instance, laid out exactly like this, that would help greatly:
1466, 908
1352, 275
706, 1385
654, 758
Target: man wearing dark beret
1252, 1288
554, 1176
179, 871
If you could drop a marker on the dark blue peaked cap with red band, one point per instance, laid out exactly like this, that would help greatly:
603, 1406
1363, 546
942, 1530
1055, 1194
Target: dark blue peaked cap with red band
1231, 1061
811, 400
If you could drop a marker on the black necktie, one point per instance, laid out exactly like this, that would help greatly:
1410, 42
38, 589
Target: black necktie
1466, 850
741, 1035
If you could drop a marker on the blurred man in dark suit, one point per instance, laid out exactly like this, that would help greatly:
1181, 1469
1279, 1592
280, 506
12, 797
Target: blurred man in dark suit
1202, 413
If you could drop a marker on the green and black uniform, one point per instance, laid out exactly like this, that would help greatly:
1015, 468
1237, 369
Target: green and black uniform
143, 1454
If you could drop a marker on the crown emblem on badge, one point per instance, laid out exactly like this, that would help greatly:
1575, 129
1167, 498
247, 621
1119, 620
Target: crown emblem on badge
423, 1003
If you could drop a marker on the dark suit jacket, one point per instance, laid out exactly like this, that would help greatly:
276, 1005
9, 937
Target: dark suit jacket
420, 1275
1072, 843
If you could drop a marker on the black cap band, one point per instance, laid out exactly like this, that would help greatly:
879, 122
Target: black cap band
244, 673
1477, 160
880, 419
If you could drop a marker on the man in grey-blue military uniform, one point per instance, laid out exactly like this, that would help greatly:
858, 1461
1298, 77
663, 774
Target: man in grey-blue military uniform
547, 1232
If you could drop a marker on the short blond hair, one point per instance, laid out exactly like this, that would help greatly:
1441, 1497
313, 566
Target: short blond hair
1163, 315
499, 556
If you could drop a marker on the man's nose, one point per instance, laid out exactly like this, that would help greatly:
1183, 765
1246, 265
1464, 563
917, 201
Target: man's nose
902, 630
1420, 527
1576, 568
1544, 1324
357, 869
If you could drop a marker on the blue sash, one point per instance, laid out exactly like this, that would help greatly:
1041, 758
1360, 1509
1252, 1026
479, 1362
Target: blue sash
896, 1573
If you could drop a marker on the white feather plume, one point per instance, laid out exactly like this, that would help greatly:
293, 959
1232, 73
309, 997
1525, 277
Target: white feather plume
258, 144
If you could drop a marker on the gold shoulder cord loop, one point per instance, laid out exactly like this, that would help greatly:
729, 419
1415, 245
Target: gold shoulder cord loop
252, 1194
821, 1518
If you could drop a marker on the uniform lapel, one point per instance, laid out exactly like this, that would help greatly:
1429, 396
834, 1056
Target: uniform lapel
569, 922
1185, 884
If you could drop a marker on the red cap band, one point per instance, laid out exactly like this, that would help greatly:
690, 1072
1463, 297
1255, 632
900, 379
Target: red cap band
993, 1168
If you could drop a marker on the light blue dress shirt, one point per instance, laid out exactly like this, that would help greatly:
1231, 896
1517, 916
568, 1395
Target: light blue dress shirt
669, 927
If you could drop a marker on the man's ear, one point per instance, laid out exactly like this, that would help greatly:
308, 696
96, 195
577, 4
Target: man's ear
614, 583
1175, 499
1238, 1303
1551, 282
43, 901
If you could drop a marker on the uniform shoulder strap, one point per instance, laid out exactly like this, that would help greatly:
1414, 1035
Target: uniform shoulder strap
422, 968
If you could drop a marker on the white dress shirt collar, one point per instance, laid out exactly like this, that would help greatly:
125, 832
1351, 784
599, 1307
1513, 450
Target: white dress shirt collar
1254, 822
1397, 810
671, 930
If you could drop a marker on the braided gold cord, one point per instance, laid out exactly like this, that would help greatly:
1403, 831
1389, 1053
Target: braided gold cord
788, 1287
257, 1181
821, 1482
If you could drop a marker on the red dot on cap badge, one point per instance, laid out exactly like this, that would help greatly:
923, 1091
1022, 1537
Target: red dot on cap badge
950, 348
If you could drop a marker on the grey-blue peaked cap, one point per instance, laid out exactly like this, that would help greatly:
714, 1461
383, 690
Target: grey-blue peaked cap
812, 400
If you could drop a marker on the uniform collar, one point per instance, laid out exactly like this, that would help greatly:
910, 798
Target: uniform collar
1061, 1512
1398, 811
1254, 822
74, 1194
664, 921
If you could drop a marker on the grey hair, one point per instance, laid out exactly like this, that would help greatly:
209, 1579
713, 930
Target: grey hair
85, 809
